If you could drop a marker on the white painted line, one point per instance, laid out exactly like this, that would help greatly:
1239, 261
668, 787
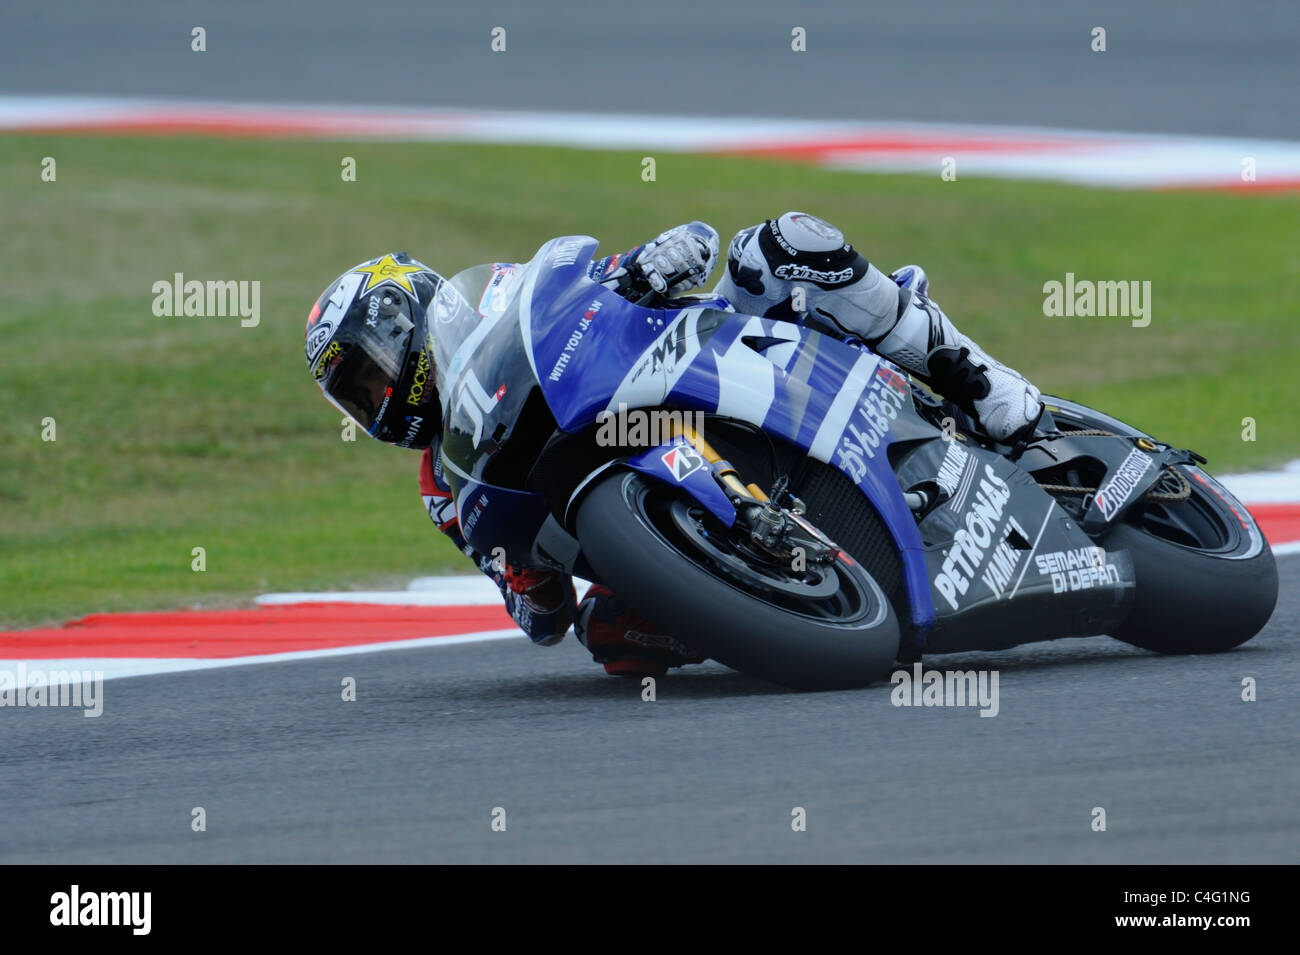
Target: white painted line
452, 590
452, 583
1089, 158
1266, 487
115, 668
473, 590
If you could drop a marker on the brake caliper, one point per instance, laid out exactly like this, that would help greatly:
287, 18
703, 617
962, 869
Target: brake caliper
777, 526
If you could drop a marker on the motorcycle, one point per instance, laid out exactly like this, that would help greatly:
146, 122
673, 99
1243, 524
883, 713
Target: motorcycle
809, 514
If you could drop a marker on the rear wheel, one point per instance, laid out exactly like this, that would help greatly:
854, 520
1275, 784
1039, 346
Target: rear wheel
826, 626
1206, 577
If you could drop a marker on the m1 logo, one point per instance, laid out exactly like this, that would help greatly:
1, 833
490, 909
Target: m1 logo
682, 461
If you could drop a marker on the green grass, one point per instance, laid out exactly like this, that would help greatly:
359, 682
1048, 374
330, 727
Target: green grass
176, 433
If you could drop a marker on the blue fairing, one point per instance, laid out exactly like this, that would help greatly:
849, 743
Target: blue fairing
594, 351
493, 517
695, 477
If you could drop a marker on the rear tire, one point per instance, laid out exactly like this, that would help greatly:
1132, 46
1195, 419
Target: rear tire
1192, 602
1210, 591
849, 641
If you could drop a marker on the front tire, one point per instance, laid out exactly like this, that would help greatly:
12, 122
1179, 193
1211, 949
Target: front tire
631, 531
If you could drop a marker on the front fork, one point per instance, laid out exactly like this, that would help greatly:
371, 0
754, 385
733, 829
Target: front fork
778, 526
723, 468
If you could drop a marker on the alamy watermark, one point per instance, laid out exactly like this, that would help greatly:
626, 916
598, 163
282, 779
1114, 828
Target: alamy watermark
128, 909
72, 688
212, 299
921, 687
640, 428
1084, 298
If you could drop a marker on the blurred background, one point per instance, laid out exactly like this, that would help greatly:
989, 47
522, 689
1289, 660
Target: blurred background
174, 433
1187, 66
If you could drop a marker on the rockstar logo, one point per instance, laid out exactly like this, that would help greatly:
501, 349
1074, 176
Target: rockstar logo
387, 269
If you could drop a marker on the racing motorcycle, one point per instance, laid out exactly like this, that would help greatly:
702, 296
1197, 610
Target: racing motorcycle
806, 512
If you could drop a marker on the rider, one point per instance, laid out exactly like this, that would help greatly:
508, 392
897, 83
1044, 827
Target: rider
369, 346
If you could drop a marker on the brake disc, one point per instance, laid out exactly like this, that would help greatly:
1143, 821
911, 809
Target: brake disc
818, 583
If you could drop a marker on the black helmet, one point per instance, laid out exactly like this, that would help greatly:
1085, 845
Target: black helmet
369, 345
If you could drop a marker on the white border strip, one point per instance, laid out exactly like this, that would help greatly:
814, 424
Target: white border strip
116, 668
1266, 487
1089, 158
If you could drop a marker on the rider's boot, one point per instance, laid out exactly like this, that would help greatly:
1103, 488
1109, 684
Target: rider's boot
627, 644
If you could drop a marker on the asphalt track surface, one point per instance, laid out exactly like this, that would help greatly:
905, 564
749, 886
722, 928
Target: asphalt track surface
1194, 66
709, 772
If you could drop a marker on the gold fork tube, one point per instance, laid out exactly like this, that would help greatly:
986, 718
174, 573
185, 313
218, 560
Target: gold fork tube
722, 468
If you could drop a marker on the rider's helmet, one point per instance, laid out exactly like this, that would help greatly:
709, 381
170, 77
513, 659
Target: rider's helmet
369, 345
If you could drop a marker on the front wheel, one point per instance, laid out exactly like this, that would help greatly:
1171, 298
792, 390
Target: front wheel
821, 627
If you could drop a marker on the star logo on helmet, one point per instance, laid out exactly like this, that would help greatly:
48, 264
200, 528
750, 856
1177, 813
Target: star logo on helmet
387, 269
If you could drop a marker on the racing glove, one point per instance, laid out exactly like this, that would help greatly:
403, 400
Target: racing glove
679, 260
542, 602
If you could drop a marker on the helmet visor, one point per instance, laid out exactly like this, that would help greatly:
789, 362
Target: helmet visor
360, 377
